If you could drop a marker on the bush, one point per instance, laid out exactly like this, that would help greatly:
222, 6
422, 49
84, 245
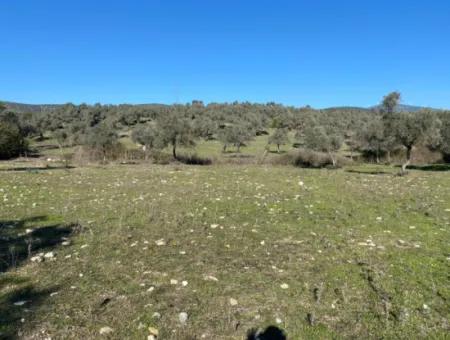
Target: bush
85, 154
310, 159
194, 160
12, 141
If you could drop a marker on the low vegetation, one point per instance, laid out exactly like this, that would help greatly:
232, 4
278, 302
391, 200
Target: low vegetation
319, 253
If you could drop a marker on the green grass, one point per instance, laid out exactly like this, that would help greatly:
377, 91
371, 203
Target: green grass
362, 253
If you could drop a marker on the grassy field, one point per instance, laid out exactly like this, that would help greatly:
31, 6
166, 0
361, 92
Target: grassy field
349, 253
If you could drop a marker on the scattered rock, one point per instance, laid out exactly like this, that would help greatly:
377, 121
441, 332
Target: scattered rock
210, 278
49, 255
183, 317
184, 283
284, 286
233, 302
214, 226
173, 282
156, 315
106, 330
153, 333
20, 303
38, 258
160, 242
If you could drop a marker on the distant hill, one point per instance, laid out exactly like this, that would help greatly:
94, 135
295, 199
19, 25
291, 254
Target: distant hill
408, 108
39, 108
29, 108
347, 108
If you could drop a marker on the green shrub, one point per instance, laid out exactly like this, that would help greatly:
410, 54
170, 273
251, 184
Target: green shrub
12, 141
306, 158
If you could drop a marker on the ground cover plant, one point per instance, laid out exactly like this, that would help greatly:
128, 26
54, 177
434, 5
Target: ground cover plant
123, 251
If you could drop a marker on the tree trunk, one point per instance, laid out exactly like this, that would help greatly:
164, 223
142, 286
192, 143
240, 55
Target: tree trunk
174, 150
333, 160
408, 159
224, 148
278, 148
388, 156
378, 156
63, 159
238, 147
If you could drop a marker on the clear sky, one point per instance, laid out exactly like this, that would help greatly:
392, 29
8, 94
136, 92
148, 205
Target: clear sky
321, 53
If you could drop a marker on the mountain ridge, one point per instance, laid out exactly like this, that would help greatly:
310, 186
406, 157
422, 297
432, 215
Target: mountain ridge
40, 108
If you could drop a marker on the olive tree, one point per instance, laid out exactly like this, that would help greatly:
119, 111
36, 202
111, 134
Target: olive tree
410, 129
147, 136
389, 105
237, 135
102, 137
390, 102
12, 139
445, 135
175, 129
372, 138
279, 137
324, 139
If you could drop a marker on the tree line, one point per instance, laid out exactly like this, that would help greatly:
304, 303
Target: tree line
376, 132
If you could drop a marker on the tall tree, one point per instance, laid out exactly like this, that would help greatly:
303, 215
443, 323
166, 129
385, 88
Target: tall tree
445, 135
390, 102
372, 138
237, 135
388, 106
145, 135
12, 139
410, 129
279, 137
324, 139
175, 129
102, 137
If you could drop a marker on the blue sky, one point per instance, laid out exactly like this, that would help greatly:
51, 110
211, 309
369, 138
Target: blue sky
321, 53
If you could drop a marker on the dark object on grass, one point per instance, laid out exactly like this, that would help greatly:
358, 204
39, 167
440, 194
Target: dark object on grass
270, 333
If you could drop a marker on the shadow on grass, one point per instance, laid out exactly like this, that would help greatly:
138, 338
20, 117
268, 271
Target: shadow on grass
239, 155
16, 308
194, 160
430, 167
18, 243
18, 297
270, 333
369, 172
36, 168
